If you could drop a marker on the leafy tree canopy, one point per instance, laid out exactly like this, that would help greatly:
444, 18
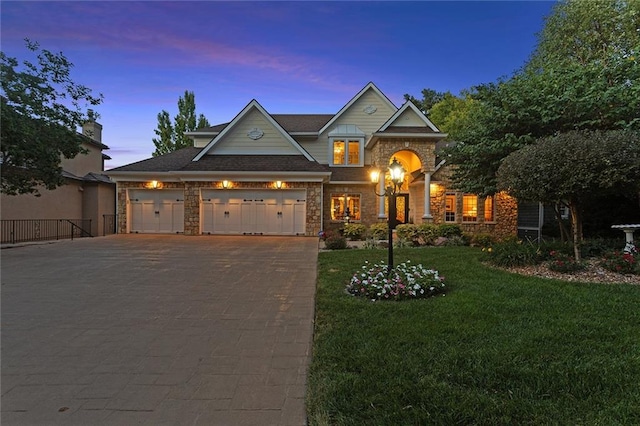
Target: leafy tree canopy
583, 75
171, 135
574, 167
41, 110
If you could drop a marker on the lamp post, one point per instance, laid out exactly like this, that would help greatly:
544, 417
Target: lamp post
396, 174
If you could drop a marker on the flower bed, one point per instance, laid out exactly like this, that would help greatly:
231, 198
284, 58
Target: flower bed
406, 281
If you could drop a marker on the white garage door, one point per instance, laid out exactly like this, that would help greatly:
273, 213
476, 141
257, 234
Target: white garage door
253, 212
156, 210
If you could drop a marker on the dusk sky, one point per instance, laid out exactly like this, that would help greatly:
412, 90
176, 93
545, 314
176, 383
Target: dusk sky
293, 57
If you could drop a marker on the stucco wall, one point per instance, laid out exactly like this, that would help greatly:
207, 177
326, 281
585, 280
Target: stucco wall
65, 202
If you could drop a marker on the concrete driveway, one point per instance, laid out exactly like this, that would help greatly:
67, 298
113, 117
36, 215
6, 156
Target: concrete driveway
157, 330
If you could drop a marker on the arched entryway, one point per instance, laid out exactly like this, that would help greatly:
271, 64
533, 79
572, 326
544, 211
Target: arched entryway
409, 199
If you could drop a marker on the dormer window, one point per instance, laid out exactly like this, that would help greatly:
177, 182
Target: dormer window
346, 146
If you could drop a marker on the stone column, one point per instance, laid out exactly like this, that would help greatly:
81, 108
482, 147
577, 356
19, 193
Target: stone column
427, 196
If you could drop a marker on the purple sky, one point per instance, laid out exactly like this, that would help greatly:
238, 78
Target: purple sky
293, 57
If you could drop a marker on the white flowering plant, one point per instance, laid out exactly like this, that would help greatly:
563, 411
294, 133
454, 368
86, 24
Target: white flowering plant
406, 281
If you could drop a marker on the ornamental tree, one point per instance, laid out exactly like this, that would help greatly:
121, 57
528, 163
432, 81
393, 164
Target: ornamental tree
573, 168
41, 110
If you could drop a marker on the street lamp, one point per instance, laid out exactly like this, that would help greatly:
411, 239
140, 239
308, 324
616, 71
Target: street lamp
396, 175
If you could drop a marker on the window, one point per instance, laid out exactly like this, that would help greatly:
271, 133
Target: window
488, 209
347, 152
469, 208
341, 202
450, 208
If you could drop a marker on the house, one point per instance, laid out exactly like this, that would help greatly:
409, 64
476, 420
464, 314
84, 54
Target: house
88, 196
298, 174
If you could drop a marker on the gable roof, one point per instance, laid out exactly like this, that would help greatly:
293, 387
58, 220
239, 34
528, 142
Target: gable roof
292, 123
369, 86
253, 105
408, 106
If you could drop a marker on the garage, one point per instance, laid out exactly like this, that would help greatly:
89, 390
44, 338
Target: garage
253, 212
156, 210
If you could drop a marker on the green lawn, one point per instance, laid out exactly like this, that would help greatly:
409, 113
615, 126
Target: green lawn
498, 349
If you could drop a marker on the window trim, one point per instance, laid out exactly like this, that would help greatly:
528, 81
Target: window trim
454, 207
344, 195
346, 140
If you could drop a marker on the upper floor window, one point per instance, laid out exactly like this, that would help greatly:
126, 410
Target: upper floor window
347, 152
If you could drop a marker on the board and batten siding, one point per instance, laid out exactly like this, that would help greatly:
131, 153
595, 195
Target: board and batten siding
237, 141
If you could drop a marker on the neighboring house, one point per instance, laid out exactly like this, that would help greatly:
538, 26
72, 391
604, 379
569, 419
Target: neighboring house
297, 174
87, 195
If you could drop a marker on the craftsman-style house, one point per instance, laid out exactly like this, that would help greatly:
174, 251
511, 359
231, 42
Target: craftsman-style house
298, 174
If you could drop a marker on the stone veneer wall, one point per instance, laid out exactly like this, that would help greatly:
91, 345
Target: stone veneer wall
385, 148
192, 201
368, 204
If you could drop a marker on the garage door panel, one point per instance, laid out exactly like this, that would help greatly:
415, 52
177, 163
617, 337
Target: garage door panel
254, 212
156, 211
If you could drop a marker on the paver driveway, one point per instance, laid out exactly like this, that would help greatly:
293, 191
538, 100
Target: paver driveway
138, 329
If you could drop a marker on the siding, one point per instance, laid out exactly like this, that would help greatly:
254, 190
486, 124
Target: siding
236, 142
408, 118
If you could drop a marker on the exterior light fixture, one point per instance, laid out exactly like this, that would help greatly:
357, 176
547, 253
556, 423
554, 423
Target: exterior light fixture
154, 184
396, 175
278, 184
226, 184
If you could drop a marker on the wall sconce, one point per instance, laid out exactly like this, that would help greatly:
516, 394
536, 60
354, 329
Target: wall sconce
226, 184
154, 184
278, 184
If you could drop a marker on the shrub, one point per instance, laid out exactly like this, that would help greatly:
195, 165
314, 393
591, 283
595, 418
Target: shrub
563, 263
623, 263
456, 240
354, 231
427, 232
408, 234
335, 242
596, 247
449, 230
406, 281
482, 240
512, 253
379, 231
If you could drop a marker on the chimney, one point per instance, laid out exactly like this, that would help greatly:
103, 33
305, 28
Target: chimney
92, 128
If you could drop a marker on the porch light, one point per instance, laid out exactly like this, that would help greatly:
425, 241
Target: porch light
396, 174
278, 184
154, 184
226, 184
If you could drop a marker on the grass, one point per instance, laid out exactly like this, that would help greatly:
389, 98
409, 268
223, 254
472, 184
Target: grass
498, 349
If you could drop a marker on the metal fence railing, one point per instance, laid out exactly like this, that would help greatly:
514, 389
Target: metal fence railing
14, 231
109, 224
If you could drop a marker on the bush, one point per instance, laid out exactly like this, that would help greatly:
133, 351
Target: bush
456, 240
408, 234
335, 242
449, 230
427, 232
379, 231
512, 253
563, 263
482, 240
354, 231
406, 281
623, 263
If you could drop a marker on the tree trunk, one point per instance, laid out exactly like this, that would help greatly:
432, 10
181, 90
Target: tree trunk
564, 233
576, 228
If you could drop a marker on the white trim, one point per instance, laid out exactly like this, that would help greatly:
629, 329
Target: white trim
240, 176
346, 140
250, 106
353, 100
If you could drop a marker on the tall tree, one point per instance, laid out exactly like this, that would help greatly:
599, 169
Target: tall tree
583, 75
41, 110
430, 97
171, 136
573, 168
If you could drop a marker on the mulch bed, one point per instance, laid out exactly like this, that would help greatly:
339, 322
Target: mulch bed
592, 274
